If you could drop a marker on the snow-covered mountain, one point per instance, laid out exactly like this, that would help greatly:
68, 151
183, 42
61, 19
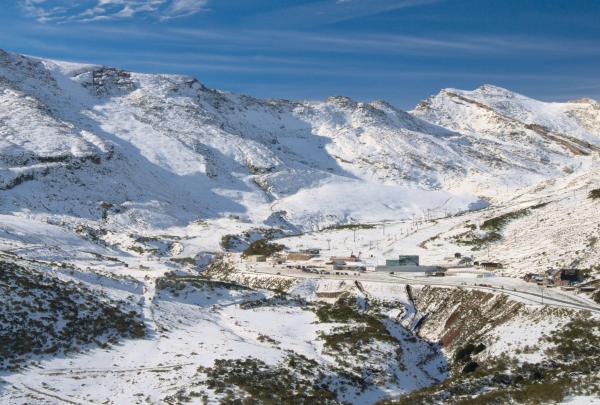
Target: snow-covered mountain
153, 151
119, 189
530, 138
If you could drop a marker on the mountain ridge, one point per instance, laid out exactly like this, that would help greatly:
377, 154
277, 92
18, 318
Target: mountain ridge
137, 140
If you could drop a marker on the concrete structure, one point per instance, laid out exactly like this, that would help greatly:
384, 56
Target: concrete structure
490, 265
344, 259
311, 251
276, 259
256, 258
457, 262
299, 256
468, 272
535, 278
403, 260
440, 272
340, 264
410, 269
565, 277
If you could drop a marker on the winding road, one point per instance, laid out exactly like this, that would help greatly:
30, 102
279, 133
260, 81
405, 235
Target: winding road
513, 287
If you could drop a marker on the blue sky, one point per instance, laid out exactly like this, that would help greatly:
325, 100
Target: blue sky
398, 50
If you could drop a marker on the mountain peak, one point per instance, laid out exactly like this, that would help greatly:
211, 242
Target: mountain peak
493, 89
342, 101
586, 100
483, 91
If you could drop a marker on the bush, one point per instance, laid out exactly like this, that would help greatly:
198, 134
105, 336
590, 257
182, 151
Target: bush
464, 353
497, 223
477, 241
541, 393
263, 247
594, 194
251, 381
184, 260
41, 313
470, 367
479, 348
230, 242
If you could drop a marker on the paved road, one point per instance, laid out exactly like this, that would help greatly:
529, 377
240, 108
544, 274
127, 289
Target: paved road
510, 286
548, 297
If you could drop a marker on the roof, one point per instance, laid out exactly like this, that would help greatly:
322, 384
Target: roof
345, 258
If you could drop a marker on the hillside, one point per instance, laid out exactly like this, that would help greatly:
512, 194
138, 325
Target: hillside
114, 147
127, 198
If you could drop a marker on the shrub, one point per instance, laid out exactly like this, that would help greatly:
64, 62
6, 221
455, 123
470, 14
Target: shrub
543, 393
44, 314
251, 381
184, 260
497, 223
230, 242
263, 247
479, 348
464, 353
470, 367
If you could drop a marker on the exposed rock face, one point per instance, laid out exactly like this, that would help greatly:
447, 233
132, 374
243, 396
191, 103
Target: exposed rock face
455, 316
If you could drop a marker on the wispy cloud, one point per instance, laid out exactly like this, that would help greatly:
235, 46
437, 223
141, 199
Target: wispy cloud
449, 45
98, 10
325, 12
319, 45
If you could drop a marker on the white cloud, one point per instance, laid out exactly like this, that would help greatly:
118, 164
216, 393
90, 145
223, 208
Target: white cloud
324, 12
95, 10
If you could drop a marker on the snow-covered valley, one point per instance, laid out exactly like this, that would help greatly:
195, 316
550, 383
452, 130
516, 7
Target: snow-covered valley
126, 201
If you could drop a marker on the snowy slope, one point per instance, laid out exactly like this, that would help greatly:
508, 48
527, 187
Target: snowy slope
85, 141
115, 183
511, 130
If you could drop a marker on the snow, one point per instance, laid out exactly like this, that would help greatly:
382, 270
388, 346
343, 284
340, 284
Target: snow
513, 336
581, 400
221, 154
89, 171
348, 201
